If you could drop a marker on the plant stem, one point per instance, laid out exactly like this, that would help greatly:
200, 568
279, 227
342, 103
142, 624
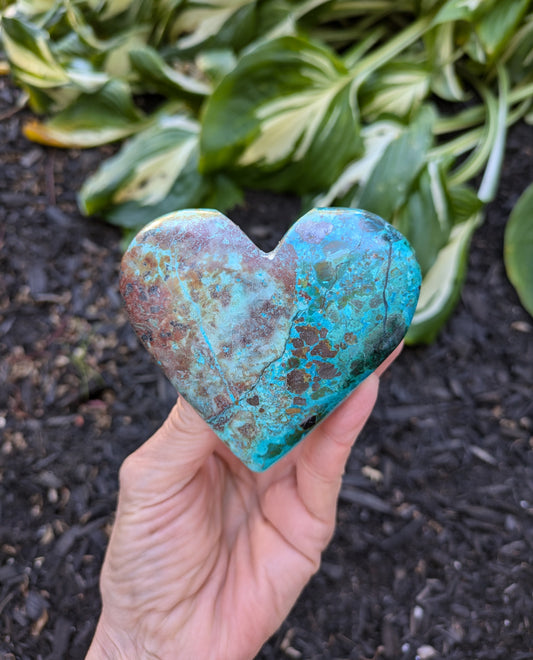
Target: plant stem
476, 114
491, 176
393, 47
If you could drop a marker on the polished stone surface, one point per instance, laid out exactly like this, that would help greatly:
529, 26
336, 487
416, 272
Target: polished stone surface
265, 345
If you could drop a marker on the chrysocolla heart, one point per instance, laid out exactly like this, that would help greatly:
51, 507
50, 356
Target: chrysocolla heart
265, 345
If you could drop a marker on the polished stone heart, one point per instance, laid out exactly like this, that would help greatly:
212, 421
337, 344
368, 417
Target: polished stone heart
265, 345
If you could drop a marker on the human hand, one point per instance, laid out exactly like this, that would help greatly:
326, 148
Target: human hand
206, 558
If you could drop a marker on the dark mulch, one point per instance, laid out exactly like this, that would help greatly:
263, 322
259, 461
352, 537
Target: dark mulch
434, 549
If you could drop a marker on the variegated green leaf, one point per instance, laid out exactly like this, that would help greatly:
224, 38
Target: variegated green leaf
518, 55
286, 112
464, 203
425, 217
497, 26
54, 74
154, 173
85, 77
72, 36
376, 138
393, 176
441, 287
397, 89
215, 64
518, 248
203, 21
190, 190
462, 10
285, 115
443, 56
33, 7
31, 60
496, 140
281, 19
117, 62
157, 75
147, 166
108, 9
91, 120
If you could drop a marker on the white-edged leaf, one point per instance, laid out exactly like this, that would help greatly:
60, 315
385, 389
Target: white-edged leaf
190, 190
464, 203
81, 73
289, 124
146, 167
31, 60
91, 120
477, 160
201, 20
396, 89
496, 27
285, 115
474, 48
445, 81
393, 176
108, 9
157, 74
461, 10
442, 284
117, 61
491, 176
518, 248
217, 63
154, 176
32, 7
289, 15
155, 173
425, 217
376, 138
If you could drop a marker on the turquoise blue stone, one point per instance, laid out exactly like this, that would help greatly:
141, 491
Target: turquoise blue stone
265, 345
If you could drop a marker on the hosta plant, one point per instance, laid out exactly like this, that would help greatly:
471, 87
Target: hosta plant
400, 107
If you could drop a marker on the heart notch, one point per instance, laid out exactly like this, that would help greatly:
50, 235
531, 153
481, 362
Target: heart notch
265, 345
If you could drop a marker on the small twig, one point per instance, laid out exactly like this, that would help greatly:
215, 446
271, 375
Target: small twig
50, 180
10, 113
6, 600
19, 105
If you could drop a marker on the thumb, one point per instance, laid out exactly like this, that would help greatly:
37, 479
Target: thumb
166, 462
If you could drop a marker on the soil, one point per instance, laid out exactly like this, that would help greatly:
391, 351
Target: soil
433, 553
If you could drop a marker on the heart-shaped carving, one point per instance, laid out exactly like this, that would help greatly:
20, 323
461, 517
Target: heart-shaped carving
265, 345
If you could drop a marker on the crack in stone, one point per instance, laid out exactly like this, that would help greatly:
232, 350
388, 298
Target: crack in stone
250, 390
277, 357
325, 303
385, 302
329, 294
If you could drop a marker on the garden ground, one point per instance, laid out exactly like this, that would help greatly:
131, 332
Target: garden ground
433, 554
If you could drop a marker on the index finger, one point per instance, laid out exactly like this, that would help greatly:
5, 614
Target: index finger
324, 452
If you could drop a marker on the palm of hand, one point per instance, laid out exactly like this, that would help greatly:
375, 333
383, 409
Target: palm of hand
207, 558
